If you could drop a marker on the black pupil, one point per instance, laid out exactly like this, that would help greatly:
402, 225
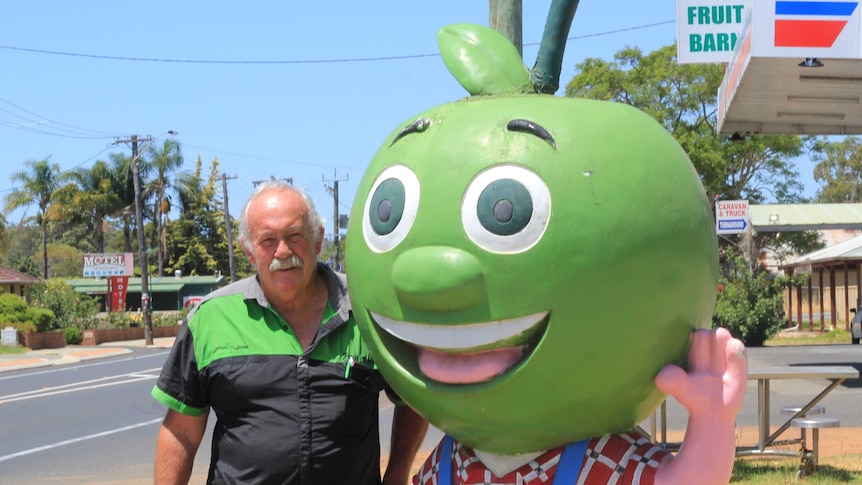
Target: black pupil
503, 211
384, 211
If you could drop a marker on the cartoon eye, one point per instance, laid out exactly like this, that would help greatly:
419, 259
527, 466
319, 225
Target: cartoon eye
391, 208
506, 209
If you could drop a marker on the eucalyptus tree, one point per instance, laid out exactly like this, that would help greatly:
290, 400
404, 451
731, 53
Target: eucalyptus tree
838, 169
197, 241
162, 162
39, 179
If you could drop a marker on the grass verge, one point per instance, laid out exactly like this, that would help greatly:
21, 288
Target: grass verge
832, 470
8, 349
805, 337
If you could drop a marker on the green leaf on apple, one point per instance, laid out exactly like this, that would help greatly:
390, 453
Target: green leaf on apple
483, 60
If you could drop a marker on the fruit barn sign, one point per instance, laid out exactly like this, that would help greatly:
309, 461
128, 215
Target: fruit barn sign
108, 264
707, 30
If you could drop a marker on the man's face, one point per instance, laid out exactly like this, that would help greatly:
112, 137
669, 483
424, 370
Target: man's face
278, 230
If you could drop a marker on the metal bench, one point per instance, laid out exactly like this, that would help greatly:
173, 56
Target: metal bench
795, 408
811, 456
818, 409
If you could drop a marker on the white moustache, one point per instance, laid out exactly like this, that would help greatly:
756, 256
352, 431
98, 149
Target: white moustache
289, 263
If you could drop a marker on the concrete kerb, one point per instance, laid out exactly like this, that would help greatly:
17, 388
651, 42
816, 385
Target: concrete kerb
74, 354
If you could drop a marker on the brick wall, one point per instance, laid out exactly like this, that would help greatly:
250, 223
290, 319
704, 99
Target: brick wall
96, 337
43, 340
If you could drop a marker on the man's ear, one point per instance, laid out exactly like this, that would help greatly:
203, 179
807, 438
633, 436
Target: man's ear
248, 254
320, 232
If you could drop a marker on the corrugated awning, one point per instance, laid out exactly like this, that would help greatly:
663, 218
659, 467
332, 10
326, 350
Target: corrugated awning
804, 217
156, 284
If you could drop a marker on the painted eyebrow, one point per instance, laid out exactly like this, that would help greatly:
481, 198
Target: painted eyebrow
533, 128
418, 126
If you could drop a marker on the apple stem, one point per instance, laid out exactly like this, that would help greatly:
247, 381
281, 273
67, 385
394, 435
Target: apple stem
549, 61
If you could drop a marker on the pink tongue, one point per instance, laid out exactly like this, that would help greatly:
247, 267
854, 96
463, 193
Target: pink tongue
467, 368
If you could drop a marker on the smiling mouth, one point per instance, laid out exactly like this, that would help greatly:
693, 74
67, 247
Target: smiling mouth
469, 353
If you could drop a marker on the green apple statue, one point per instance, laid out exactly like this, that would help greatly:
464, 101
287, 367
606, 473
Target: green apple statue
523, 266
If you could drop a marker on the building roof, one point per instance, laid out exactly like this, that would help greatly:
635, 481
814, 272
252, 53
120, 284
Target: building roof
10, 276
849, 250
804, 217
157, 284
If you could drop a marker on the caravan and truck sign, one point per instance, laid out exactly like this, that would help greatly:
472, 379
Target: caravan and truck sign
731, 216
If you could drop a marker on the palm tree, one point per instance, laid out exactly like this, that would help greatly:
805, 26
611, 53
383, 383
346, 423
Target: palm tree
39, 180
164, 161
123, 184
94, 197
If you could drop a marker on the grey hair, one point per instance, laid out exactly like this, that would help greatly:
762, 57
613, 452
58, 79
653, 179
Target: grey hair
315, 222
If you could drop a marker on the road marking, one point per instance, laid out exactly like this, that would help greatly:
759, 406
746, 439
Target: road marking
78, 440
71, 367
78, 386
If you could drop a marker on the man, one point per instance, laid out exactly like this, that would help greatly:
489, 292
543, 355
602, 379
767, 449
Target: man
279, 360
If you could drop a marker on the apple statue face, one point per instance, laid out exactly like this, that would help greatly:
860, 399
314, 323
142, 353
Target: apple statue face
523, 265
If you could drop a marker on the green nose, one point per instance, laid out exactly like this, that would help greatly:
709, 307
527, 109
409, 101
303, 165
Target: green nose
437, 279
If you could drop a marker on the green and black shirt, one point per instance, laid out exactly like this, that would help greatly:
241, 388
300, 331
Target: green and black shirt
284, 416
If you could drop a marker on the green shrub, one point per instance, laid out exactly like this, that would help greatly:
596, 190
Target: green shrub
73, 336
750, 304
26, 319
42, 318
23, 327
70, 308
12, 308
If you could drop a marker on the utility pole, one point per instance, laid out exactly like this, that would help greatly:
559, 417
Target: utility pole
142, 244
506, 17
333, 191
146, 310
224, 179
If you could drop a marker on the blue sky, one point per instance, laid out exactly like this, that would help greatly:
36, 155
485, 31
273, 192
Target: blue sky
279, 109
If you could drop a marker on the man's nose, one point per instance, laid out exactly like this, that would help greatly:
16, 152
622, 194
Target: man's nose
283, 250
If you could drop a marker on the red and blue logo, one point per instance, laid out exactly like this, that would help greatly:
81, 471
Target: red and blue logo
810, 24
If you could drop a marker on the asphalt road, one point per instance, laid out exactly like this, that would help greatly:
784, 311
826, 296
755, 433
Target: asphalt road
95, 422
845, 402
87, 423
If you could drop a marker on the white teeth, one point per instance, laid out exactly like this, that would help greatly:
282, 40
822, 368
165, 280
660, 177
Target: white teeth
458, 337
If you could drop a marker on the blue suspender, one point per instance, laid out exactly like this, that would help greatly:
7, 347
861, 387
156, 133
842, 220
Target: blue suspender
444, 474
570, 463
568, 467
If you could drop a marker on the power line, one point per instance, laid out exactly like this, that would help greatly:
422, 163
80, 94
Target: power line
256, 157
298, 61
67, 170
72, 130
61, 135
